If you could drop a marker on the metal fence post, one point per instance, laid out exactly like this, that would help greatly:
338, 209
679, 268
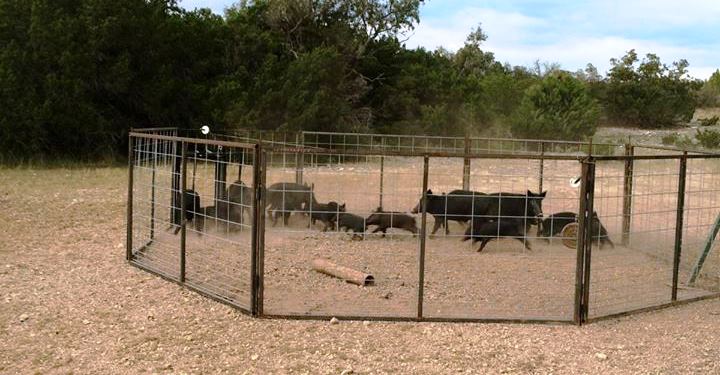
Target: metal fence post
382, 180
220, 176
584, 242
679, 224
152, 188
255, 239
299, 158
589, 217
423, 235
466, 165
177, 166
183, 210
627, 194
259, 222
129, 240
541, 169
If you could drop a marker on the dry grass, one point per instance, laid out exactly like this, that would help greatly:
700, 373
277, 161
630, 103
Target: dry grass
70, 303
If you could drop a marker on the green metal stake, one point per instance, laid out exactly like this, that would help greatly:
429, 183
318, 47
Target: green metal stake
708, 246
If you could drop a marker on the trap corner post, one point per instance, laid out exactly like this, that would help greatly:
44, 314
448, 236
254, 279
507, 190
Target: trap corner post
131, 161
679, 224
584, 242
423, 235
258, 232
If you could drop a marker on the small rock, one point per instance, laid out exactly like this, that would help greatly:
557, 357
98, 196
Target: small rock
347, 372
334, 320
387, 295
24, 317
366, 323
601, 356
254, 357
86, 322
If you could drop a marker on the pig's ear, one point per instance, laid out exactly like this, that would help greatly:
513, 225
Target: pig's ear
429, 192
543, 194
379, 209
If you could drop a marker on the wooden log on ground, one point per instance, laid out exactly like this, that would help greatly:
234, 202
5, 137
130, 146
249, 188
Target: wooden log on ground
348, 274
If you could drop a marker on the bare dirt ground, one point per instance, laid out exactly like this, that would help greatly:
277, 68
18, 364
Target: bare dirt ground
71, 304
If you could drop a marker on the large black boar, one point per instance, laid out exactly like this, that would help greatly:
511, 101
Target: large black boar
285, 197
454, 206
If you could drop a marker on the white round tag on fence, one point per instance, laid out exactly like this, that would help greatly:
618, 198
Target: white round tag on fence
575, 181
205, 129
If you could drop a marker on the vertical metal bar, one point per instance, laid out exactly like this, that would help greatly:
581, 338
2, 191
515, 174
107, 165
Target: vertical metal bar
254, 275
129, 241
260, 215
589, 217
466, 164
175, 205
299, 160
152, 187
423, 235
627, 194
240, 165
679, 224
183, 210
220, 177
580, 260
382, 180
541, 169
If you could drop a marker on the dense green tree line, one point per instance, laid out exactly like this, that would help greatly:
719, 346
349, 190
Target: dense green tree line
75, 75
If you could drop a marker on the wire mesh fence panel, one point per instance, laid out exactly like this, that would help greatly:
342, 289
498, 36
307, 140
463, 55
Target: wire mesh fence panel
190, 222
219, 244
632, 268
342, 199
699, 266
155, 183
520, 273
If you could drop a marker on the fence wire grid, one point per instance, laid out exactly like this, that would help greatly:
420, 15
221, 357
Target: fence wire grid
566, 236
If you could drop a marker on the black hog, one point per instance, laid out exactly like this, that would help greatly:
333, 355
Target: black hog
525, 208
390, 219
325, 213
191, 199
285, 197
455, 206
240, 198
347, 221
553, 225
490, 230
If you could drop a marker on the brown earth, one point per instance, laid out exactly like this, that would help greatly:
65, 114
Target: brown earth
72, 304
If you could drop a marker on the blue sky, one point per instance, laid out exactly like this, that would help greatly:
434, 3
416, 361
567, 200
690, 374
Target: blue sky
572, 33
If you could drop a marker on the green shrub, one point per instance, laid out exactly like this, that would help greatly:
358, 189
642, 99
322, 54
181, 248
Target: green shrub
710, 121
670, 139
558, 107
649, 94
708, 138
677, 140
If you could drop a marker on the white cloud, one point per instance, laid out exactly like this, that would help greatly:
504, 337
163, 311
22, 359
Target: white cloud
521, 39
